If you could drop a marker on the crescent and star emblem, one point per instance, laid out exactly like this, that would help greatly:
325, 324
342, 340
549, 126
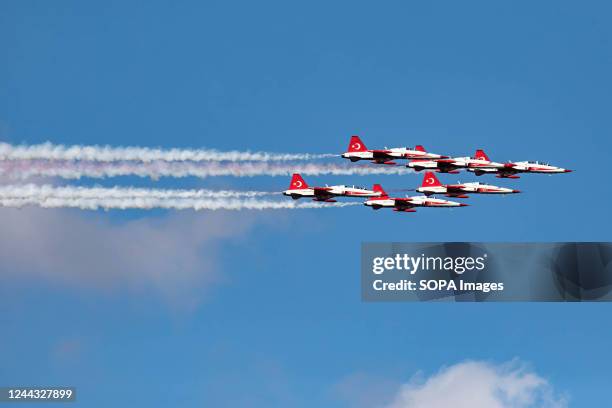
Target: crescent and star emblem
298, 184
429, 181
357, 146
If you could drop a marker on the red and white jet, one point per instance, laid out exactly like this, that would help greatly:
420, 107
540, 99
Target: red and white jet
357, 150
407, 204
431, 185
509, 170
454, 164
298, 189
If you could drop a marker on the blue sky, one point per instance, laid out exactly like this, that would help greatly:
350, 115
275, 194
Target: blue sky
277, 320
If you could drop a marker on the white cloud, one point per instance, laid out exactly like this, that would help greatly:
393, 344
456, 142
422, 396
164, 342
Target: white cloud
175, 256
474, 384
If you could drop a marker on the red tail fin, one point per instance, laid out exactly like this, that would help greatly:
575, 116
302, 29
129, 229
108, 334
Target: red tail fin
430, 180
356, 145
378, 188
419, 148
480, 154
297, 182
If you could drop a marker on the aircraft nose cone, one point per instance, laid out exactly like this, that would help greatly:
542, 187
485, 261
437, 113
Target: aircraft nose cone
568, 171
516, 191
464, 205
444, 157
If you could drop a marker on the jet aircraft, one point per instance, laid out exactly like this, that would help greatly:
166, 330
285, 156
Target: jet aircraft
357, 150
298, 189
431, 185
453, 165
510, 170
406, 204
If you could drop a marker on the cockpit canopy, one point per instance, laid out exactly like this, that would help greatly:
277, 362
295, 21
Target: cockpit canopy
537, 162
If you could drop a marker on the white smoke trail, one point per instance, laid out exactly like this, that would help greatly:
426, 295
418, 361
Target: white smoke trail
24, 169
50, 191
47, 196
152, 202
49, 151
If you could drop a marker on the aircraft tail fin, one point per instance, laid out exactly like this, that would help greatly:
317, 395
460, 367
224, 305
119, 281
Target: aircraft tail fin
430, 180
378, 188
480, 154
419, 148
356, 145
297, 182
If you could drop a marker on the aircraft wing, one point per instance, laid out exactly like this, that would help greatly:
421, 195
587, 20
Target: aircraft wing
453, 189
402, 204
380, 154
449, 164
322, 193
382, 157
